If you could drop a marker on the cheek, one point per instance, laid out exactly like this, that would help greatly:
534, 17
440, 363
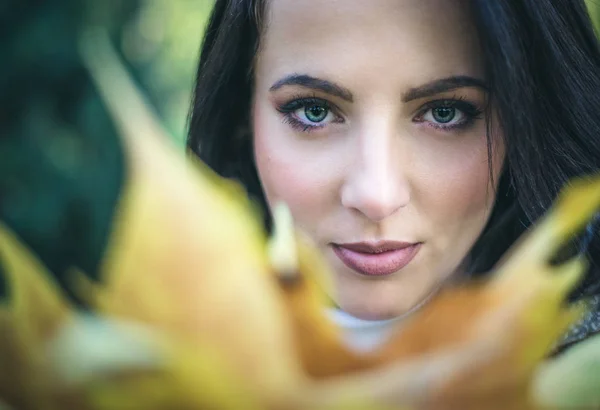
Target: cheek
290, 170
455, 191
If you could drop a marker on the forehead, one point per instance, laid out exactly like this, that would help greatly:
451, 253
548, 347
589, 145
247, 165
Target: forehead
417, 39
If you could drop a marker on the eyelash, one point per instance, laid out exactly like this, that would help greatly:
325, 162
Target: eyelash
297, 103
470, 111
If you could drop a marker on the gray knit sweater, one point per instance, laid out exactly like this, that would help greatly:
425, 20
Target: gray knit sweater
588, 326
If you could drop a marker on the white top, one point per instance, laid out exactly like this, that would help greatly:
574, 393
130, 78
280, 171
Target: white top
360, 334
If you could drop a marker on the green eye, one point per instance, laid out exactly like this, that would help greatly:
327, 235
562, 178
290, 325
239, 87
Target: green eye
315, 113
447, 115
443, 115
307, 114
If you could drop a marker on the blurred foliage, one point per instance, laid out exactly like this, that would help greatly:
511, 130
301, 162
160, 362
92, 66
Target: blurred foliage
61, 168
161, 41
594, 8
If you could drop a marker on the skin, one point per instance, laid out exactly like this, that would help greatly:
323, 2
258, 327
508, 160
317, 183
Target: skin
378, 164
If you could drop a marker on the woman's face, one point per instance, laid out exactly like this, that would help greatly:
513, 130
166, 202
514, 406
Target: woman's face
369, 122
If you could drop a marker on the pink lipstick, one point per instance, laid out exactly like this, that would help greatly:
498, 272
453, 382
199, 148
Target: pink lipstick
376, 258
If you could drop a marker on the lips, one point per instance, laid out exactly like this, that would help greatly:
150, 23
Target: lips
376, 258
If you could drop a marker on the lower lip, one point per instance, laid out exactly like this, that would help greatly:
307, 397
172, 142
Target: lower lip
377, 264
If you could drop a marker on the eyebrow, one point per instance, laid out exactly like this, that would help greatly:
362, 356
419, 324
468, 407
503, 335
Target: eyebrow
314, 83
442, 85
426, 90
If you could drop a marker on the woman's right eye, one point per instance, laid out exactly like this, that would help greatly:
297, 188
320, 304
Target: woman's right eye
314, 113
307, 114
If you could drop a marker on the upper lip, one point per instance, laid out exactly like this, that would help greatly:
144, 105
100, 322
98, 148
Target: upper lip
375, 246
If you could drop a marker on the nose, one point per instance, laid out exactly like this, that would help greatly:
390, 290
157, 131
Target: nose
376, 185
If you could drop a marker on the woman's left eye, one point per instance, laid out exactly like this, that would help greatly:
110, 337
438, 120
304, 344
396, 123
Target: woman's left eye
444, 115
449, 114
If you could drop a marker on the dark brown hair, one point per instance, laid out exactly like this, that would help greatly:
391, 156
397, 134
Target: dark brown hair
543, 65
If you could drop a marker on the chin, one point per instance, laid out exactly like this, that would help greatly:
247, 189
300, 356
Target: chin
385, 298
382, 305
372, 311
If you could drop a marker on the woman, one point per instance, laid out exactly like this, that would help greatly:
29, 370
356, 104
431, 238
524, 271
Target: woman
413, 140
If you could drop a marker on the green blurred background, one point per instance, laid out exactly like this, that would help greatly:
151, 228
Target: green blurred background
160, 41
62, 168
